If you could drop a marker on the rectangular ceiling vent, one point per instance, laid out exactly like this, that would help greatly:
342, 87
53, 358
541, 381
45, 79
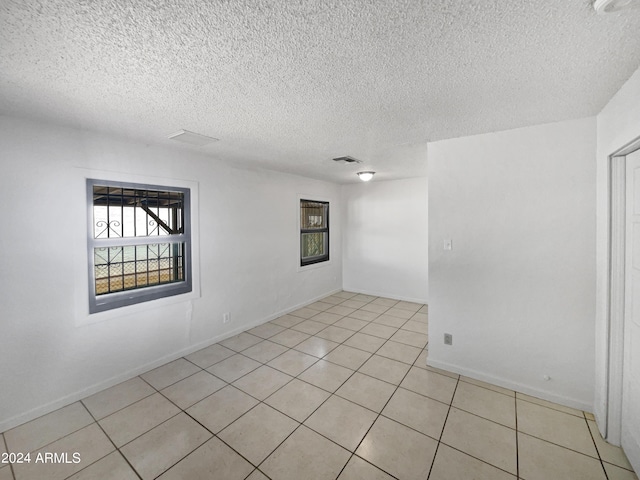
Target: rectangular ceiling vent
185, 136
347, 160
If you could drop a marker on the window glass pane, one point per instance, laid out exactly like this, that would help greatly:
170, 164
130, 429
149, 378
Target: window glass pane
313, 244
128, 267
313, 215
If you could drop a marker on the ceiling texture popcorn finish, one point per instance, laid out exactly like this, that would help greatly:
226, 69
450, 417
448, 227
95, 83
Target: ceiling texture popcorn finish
290, 85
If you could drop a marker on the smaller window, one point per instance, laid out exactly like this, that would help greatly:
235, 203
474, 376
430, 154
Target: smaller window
314, 232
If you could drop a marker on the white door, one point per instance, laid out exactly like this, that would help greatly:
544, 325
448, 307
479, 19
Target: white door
631, 368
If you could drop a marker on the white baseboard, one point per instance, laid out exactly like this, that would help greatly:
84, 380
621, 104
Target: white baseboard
516, 386
98, 387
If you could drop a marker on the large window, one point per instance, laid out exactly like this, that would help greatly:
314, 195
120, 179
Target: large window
314, 232
139, 243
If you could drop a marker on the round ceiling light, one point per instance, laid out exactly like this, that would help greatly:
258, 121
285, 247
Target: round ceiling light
366, 176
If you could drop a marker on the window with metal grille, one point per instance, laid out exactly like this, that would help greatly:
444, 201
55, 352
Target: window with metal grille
314, 232
139, 243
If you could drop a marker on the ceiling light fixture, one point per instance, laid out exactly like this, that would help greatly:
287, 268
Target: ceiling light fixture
192, 138
611, 6
366, 176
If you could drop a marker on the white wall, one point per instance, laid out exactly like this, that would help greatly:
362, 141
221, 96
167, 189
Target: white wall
385, 240
517, 290
248, 258
618, 124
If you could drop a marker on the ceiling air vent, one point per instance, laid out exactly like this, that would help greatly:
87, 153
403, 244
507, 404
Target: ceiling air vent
192, 138
347, 160
611, 6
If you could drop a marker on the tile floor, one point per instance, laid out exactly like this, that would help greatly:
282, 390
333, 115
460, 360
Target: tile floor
337, 389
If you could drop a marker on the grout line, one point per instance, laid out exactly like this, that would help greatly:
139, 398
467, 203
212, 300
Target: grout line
443, 427
595, 445
515, 406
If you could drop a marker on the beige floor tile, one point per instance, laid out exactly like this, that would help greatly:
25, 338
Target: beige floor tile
481, 438
364, 315
433, 385
327, 318
417, 327
111, 467
257, 475
5, 473
318, 347
264, 351
353, 304
540, 460
609, 453
112, 399
364, 298
589, 416
326, 375
486, 403
410, 338
289, 338
366, 391
378, 330
232, 368
365, 342
351, 323
398, 450
210, 355
220, 409
333, 299
421, 361
410, 306
450, 464
340, 310
170, 373
399, 351
399, 312
193, 389
158, 450
89, 442
3, 448
48, 428
349, 357
552, 405
258, 432
309, 326
358, 469
490, 386
293, 362
616, 473
418, 412
241, 342
342, 421
556, 427
390, 321
134, 420
346, 295
211, 460
335, 334
266, 330
287, 321
297, 399
262, 382
376, 308
447, 373
306, 455
383, 368
420, 317
319, 306
387, 302
304, 312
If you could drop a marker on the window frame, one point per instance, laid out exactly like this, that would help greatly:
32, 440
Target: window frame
326, 230
114, 300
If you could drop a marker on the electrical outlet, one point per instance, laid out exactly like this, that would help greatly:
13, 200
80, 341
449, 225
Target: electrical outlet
448, 339
225, 318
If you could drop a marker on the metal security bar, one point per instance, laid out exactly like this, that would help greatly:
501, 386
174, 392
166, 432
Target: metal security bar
139, 243
314, 232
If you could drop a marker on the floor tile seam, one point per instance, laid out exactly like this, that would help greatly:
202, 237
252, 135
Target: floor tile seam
595, 445
596, 457
244, 375
515, 407
546, 406
483, 461
483, 417
619, 466
446, 418
305, 369
6, 449
272, 393
382, 414
146, 431
376, 378
366, 461
486, 388
181, 458
226, 384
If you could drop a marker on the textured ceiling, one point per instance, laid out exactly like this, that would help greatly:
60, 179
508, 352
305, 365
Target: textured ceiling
289, 84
